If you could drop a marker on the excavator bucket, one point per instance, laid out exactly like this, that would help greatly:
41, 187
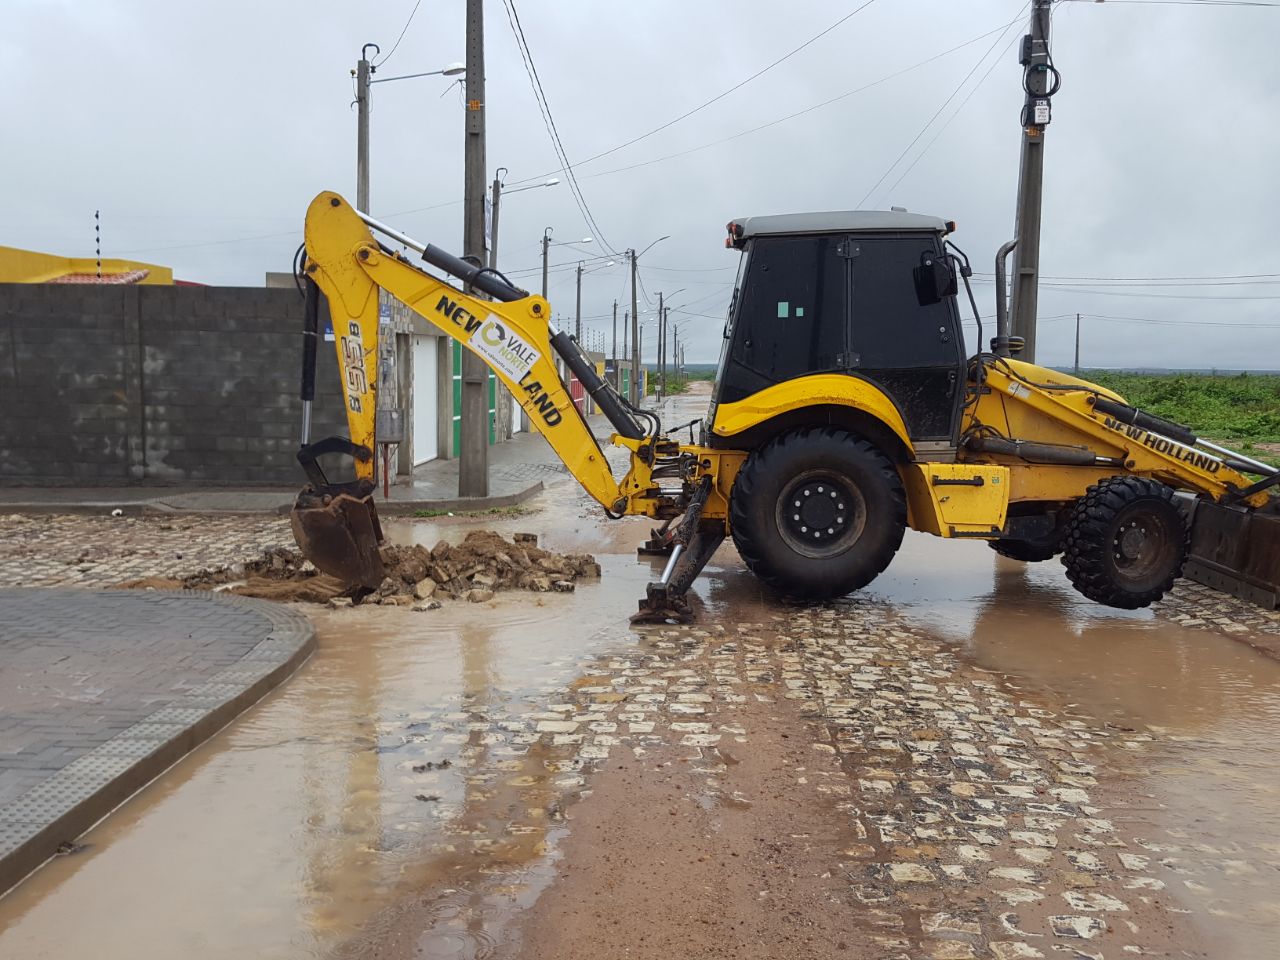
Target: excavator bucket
337, 529
1236, 550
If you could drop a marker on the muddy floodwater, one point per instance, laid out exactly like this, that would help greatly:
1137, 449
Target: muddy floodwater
287, 832
297, 827
1216, 700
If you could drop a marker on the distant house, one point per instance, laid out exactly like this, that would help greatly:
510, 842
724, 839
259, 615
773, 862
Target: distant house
31, 266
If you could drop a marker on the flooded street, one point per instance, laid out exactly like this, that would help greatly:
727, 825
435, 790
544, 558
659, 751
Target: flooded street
488, 779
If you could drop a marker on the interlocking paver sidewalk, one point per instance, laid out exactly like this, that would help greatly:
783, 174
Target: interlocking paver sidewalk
101, 690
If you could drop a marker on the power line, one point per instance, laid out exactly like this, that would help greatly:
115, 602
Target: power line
1189, 3
1082, 291
798, 113
943, 129
1182, 323
705, 146
1260, 277
412, 14
721, 96
526, 55
954, 94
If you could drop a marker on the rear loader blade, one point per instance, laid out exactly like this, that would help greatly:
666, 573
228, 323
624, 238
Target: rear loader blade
1236, 550
338, 531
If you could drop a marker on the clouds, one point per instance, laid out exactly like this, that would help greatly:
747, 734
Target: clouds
196, 126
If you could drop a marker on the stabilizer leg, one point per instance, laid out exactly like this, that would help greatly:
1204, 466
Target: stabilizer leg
666, 600
692, 545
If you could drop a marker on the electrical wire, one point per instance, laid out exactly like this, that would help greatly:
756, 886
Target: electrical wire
720, 96
1266, 277
1187, 3
513, 18
938, 113
412, 14
798, 113
943, 129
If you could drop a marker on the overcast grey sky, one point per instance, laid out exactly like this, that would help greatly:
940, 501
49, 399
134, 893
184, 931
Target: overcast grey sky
202, 129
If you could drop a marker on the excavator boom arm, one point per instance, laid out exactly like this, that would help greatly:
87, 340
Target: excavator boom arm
513, 336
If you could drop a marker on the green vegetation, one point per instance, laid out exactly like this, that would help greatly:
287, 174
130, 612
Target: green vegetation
514, 511
1239, 409
679, 384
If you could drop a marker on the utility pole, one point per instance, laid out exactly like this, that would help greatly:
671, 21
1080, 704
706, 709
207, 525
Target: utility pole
635, 335
363, 71
614, 354
546, 244
493, 221
662, 380
473, 468
625, 328
1077, 344
577, 323
1041, 82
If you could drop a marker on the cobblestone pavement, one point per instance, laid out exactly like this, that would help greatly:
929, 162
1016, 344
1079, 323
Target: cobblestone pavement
68, 550
64, 550
984, 823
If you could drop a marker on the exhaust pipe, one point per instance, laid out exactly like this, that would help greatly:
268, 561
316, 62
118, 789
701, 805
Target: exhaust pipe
1004, 344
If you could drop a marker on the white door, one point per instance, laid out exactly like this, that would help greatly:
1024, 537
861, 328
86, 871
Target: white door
516, 413
426, 445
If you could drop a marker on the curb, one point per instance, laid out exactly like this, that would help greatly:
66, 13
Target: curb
156, 506
398, 508
67, 804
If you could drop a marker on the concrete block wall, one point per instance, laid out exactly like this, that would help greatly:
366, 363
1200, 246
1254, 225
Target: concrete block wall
114, 384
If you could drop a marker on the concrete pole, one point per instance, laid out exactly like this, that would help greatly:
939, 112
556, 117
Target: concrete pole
362, 132
473, 470
661, 388
625, 330
635, 335
493, 226
1031, 181
577, 323
546, 245
1077, 344
614, 354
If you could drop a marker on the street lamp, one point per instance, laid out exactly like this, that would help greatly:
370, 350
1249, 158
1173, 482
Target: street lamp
498, 191
363, 73
547, 243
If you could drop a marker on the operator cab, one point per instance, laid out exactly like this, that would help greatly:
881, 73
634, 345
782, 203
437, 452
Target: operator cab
864, 294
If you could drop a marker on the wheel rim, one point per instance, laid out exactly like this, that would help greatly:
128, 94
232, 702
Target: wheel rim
1143, 546
821, 514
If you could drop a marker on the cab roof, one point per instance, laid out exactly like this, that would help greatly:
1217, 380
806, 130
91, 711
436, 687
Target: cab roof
840, 221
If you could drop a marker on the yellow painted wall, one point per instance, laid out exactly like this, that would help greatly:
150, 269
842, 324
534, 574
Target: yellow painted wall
30, 266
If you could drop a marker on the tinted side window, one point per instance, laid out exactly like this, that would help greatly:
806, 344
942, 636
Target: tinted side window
890, 328
792, 316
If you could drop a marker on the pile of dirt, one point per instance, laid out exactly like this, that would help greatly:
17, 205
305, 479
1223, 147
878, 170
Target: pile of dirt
478, 567
474, 569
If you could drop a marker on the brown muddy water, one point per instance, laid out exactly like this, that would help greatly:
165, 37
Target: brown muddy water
289, 834
1214, 787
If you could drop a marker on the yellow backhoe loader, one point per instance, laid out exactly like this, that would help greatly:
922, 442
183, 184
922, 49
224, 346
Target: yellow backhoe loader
844, 410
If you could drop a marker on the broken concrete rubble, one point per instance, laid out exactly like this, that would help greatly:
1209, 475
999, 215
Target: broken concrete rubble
475, 569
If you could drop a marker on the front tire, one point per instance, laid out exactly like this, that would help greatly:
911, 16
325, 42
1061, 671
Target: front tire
817, 513
1126, 542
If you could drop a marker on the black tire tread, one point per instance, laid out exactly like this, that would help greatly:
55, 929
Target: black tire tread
761, 462
1028, 551
1087, 534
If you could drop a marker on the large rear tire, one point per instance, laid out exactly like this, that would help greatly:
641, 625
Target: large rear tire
817, 513
1126, 542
